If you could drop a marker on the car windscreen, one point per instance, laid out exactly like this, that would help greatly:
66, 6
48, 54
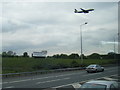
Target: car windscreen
94, 86
91, 66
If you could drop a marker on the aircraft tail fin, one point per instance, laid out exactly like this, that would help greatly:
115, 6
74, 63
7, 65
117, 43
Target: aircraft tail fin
75, 11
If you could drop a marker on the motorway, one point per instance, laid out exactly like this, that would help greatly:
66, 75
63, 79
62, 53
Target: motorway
56, 80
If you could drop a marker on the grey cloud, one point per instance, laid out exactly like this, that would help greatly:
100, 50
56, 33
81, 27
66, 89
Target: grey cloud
28, 46
54, 26
10, 25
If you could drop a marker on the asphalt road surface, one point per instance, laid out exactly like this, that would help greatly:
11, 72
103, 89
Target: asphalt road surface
56, 80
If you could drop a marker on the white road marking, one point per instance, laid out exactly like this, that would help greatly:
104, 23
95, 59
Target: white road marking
40, 78
106, 78
52, 80
76, 85
19, 81
50, 77
10, 87
115, 75
16, 81
111, 68
91, 74
62, 85
110, 71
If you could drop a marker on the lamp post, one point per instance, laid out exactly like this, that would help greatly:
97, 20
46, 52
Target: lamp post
81, 41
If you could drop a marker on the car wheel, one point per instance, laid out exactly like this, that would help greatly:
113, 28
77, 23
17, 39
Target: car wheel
102, 70
87, 71
96, 70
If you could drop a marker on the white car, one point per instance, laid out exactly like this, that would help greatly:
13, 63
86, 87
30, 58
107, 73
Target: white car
94, 68
100, 85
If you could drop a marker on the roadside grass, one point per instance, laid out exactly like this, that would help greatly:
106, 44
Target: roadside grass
22, 64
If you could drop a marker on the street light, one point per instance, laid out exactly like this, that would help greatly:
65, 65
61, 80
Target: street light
81, 40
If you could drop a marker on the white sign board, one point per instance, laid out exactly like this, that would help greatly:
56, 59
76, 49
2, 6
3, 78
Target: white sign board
39, 54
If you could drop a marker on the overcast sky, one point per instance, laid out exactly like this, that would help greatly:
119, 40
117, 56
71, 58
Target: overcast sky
53, 26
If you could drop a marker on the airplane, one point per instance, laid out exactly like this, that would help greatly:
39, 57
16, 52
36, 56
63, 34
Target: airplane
83, 10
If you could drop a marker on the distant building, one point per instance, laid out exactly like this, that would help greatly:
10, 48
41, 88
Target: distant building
41, 54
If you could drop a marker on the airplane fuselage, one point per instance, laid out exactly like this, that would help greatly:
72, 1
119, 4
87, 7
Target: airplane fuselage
83, 11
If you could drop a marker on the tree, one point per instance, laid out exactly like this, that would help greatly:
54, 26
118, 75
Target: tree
73, 56
64, 56
74, 63
111, 55
25, 54
8, 54
4, 54
94, 56
56, 56
84, 57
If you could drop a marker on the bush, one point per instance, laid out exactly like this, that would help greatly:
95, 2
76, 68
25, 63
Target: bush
74, 64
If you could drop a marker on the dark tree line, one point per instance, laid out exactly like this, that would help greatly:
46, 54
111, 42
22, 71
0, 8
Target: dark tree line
110, 55
8, 54
65, 56
13, 54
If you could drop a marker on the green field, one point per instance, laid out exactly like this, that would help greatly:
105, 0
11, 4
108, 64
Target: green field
22, 64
